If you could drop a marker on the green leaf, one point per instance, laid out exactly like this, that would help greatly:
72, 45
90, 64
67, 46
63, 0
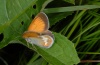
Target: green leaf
11, 10
71, 8
61, 53
41, 4
12, 18
70, 1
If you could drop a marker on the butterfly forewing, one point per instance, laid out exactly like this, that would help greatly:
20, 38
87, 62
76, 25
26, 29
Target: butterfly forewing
40, 23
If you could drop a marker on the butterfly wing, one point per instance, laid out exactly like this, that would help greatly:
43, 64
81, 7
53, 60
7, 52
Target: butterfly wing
28, 34
47, 41
44, 41
40, 23
48, 32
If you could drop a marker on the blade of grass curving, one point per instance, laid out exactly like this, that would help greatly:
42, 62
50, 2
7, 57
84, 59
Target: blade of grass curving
86, 30
70, 8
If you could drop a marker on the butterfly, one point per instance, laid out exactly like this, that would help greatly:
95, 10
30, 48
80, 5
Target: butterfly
38, 32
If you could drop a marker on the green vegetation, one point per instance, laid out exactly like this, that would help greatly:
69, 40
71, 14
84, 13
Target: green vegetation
75, 25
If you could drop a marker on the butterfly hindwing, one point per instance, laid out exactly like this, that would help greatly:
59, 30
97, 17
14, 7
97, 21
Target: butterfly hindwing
45, 41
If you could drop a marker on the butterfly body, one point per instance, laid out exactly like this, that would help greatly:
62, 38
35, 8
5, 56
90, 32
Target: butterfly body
38, 32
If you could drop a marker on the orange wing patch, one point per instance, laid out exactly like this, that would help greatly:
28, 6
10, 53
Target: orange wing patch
30, 34
39, 24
